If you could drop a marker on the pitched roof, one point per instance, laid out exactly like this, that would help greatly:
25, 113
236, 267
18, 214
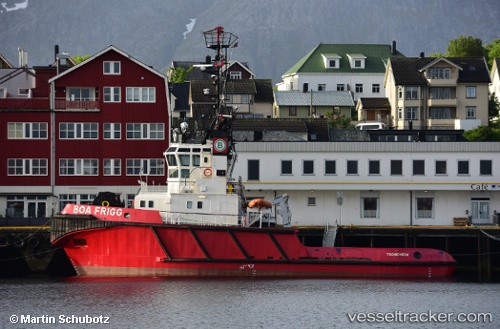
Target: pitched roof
375, 102
264, 89
181, 93
244, 86
408, 70
313, 62
320, 98
4, 63
105, 50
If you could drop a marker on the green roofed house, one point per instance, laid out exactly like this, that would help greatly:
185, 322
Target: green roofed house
355, 68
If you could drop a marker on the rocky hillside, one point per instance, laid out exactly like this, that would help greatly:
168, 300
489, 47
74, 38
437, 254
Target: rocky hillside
274, 35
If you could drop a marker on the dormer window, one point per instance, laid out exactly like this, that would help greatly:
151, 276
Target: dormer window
357, 61
331, 61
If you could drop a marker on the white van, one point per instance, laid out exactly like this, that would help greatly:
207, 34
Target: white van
371, 126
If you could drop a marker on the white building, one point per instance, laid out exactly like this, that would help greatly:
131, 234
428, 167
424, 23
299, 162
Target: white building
376, 183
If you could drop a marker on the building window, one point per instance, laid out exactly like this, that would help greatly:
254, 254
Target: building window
418, 167
471, 92
352, 167
400, 113
27, 130
374, 167
292, 111
245, 99
440, 113
485, 168
112, 167
440, 73
308, 167
332, 63
112, 94
357, 63
82, 130
27, 167
235, 75
153, 167
411, 113
440, 167
64, 199
145, 131
369, 207
112, 131
471, 112
400, 93
78, 167
311, 201
463, 167
411, 92
330, 167
425, 207
376, 88
321, 87
141, 95
286, 167
359, 87
340, 87
228, 98
440, 93
80, 94
253, 170
396, 167
111, 67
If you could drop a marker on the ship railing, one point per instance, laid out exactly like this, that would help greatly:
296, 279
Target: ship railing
261, 216
60, 226
199, 219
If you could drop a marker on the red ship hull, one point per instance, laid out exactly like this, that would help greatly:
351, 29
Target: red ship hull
133, 249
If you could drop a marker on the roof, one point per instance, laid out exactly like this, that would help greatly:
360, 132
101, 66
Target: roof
318, 126
198, 73
181, 93
4, 63
105, 50
408, 70
376, 55
264, 89
375, 102
320, 98
243, 86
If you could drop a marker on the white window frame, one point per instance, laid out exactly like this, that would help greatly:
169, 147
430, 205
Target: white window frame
79, 130
359, 87
470, 112
141, 94
27, 167
111, 67
470, 91
78, 167
411, 112
112, 130
376, 88
420, 202
150, 167
69, 94
111, 94
235, 75
112, 167
26, 130
145, 131
411, 92
370, 213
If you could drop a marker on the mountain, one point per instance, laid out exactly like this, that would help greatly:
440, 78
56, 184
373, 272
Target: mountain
273, 35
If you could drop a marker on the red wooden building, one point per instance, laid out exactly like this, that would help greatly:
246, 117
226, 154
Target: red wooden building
93, 127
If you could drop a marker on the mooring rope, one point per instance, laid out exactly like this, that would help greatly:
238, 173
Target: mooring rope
487, 234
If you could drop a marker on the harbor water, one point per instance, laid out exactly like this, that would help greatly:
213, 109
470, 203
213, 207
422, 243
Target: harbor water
74, 302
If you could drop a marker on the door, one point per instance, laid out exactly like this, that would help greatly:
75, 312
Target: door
480, 213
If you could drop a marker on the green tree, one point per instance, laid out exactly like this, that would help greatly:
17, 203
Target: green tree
79, 58
465, 47
336, 120
179, 74
493, 106
492, 51
483, 134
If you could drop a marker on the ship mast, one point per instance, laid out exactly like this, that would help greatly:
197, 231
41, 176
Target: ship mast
220, 41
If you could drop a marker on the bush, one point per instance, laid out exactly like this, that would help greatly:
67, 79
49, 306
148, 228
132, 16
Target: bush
483, 134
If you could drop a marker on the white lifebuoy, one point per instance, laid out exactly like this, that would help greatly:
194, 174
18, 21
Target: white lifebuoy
207, 172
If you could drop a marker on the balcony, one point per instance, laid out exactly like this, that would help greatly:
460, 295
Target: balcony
441, 82
442, 102
76, 105
39, 103
441, 123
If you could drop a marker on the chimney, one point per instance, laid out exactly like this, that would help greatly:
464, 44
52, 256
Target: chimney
422, 54
23, 57
56, 52
208, 59
393, 48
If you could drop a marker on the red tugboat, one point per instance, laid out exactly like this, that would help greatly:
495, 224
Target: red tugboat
200, 225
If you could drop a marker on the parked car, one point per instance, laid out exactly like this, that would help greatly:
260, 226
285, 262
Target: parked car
371, 126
